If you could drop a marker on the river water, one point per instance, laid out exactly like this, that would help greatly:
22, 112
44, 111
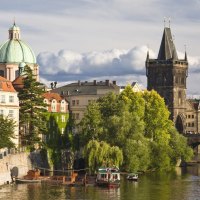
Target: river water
181, 184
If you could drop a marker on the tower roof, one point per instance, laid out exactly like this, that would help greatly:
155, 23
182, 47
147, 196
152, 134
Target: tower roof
167, 47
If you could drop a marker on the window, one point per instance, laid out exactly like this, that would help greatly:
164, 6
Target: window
53, 108
188, 116
11, 113
3, 99
77, 115
193, 116
63, 118
62, 108
73, 102
11, 99
192, 124
77, 102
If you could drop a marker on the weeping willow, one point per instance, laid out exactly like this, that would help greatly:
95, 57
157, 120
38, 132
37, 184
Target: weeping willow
100, 154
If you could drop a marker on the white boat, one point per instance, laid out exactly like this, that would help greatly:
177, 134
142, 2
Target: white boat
132, 177
108, 177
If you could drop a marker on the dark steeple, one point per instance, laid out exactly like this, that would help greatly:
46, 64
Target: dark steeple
185, 56
167, 47
147, 59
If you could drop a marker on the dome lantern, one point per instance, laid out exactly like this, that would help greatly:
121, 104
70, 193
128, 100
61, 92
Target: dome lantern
14, 32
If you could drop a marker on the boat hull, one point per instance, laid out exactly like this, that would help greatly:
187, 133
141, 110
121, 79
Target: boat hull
108, 184
27, 181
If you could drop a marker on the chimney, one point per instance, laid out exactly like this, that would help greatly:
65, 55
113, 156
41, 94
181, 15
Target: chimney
95, 82
114, 82
107, 82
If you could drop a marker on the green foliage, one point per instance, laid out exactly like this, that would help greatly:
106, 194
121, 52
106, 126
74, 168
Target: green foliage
55, 138
136, 123
102, 154
7, 127
91, 124
136, 155
32, 107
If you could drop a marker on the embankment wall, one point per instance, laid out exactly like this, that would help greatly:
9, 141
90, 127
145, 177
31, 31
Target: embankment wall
18, 163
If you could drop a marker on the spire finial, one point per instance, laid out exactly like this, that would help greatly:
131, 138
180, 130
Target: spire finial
185, 53
164, 21
169, 22
14, 21
147, 58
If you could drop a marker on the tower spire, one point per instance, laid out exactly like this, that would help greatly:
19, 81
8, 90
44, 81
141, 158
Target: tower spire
185, 54
167, 47
147, 58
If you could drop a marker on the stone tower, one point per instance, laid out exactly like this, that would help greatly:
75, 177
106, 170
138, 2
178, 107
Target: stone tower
167, 75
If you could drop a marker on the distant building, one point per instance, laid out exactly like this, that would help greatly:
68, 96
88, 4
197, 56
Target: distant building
15, 54
57, 115
167, 75
135, 86
9, 105
80, 94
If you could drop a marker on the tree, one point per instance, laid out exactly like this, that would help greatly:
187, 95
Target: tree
99, 154
7, 127
32, 108
139, 125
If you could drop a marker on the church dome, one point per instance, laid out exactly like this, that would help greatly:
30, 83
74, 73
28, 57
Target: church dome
15, 50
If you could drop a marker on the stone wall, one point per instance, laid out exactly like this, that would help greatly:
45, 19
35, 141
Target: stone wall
18, 163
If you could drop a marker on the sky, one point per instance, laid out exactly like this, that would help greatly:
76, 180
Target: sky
90, 40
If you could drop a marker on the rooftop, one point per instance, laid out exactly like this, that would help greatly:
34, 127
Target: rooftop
86, 88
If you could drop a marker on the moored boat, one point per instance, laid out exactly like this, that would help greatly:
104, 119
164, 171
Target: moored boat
132, 177
108, 177
21, 180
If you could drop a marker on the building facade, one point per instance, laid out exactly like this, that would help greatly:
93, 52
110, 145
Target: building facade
167, 74
57, 116
9, 105
15, 54
80, 94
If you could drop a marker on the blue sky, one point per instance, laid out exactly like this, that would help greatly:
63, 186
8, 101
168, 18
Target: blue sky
103, 39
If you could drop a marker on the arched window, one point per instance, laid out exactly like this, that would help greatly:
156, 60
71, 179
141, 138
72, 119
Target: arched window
54, 106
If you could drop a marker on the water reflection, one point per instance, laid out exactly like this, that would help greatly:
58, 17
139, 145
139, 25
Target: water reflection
181, 184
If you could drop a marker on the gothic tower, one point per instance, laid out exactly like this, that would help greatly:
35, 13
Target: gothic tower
167, 75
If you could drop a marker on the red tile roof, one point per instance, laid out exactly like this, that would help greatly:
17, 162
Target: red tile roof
51, 96
6, 85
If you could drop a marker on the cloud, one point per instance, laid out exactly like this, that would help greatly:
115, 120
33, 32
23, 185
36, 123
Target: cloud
125, 66
69, 65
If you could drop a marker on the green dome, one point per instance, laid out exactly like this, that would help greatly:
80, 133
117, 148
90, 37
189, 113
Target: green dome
16, 51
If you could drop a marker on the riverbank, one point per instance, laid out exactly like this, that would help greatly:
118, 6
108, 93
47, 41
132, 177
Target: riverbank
16, 164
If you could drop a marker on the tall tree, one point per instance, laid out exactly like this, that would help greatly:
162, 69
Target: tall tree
139, 124
7, 127
32, 107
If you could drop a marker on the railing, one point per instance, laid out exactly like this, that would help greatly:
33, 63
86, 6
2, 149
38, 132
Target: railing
5, 151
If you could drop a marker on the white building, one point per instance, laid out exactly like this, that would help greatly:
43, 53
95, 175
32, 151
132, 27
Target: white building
9, 104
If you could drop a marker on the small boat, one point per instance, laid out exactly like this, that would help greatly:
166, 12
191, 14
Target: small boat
22, 180
132, 177
108, 177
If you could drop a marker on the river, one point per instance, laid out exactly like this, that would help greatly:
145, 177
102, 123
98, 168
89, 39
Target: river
181, 184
